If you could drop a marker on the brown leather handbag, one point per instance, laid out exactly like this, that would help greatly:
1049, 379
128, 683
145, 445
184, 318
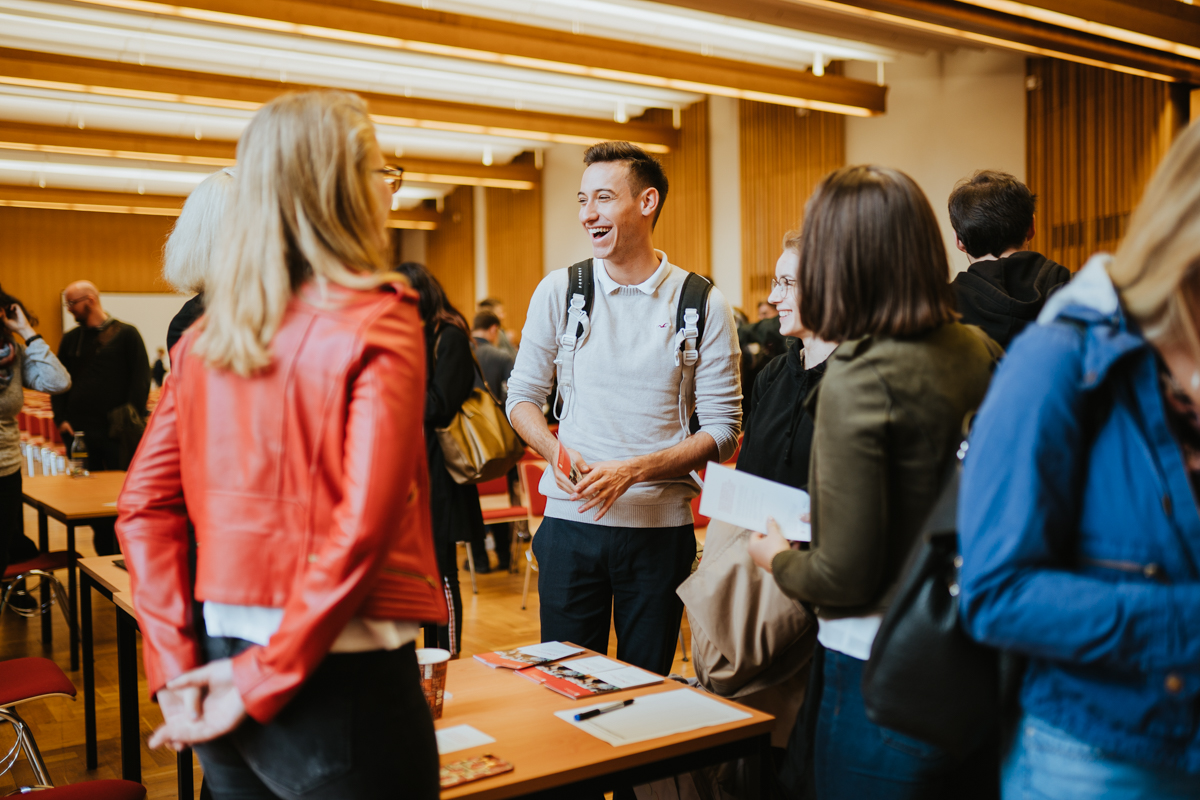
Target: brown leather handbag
479, 443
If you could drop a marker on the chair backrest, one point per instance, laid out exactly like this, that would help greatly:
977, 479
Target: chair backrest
494, 486
531, 473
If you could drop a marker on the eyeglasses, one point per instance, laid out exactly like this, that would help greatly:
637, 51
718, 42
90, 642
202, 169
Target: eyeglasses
786, 284
393, 177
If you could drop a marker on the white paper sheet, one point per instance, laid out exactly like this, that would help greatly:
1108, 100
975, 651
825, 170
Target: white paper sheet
613, 672
654, 716
549, 650
460, 737
747, 500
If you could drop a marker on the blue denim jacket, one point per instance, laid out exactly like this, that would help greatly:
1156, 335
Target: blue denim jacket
1080, 535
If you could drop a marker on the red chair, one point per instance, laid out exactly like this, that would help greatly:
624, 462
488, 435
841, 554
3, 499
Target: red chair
23, 680
506, 514
530, 472
41, 566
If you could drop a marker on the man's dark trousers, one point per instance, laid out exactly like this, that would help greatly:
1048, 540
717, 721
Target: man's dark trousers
587, 573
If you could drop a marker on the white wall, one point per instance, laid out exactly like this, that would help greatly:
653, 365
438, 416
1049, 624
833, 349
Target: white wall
563, 240
725, 200
947, 117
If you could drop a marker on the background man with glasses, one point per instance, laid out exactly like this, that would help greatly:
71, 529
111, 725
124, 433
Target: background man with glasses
110, 382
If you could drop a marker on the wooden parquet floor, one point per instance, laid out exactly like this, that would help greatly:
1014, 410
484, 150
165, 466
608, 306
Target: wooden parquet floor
492, 620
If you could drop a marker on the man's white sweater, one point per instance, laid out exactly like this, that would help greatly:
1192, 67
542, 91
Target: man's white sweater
626, 386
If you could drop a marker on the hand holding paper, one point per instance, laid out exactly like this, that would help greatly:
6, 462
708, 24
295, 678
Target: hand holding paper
748, 501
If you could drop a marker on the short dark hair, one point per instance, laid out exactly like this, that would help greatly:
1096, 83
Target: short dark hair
645, 171
490, 302
991, 212
484, 320
872, 259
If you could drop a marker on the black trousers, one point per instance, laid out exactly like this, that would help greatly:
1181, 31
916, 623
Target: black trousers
590, 573
359, 729
14, 546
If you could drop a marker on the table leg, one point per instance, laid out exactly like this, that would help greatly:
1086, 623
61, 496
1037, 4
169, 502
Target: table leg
183, 765
72, 595
131, 745
89, 673
44, 546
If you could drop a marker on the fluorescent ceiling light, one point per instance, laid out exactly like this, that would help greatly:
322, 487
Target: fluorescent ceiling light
248, 52
68, 106
1088, 26
98, 171
106, 209
979, 38
667, 26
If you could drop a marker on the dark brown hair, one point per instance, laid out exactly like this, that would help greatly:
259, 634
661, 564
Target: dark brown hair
432, 303
7, 301
644, 169
484, 320
872, 260
991, 212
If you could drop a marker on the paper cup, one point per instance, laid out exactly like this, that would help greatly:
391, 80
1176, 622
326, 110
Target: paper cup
432, 662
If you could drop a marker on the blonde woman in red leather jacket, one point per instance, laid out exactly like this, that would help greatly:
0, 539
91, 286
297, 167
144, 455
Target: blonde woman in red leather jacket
290, 434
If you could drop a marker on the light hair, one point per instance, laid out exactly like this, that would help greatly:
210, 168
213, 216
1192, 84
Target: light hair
190, 249
1155, 268
302, 208
792, 240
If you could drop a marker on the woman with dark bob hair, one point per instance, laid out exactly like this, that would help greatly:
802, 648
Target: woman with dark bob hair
888, 418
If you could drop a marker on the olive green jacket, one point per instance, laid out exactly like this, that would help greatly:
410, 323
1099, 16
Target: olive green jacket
888, 417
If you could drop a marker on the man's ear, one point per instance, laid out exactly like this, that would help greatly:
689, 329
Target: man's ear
648, 202
958, 243
1032, 229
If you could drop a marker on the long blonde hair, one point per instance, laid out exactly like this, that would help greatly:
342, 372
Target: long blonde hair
1155, 268
189, 252
302, 208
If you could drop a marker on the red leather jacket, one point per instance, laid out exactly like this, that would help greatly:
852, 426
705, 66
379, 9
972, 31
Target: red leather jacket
307, 485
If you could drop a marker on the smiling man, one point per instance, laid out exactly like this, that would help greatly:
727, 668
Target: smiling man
620, 540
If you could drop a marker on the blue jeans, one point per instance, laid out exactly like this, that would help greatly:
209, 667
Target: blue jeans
1045, 763
590, 573
855, 759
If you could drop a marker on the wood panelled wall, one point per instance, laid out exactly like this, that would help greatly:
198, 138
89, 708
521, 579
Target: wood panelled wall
514, 250
450, 250
683, 230
44, 250
1094, 138
783, 156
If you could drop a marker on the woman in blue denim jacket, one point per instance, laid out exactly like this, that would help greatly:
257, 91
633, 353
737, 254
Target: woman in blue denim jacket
1078, 519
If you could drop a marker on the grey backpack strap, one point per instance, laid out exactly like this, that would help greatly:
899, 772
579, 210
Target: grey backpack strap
689, 332
581, 293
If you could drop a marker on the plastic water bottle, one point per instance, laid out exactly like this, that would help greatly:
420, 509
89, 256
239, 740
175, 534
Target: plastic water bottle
79, 456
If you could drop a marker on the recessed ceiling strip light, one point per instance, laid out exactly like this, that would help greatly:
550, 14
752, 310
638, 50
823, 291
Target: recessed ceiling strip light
147, 210
124, 154
382, 119
239, 20
1088, 26
991, 41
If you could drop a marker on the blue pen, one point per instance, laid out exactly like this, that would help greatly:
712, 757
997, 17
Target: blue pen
595, 712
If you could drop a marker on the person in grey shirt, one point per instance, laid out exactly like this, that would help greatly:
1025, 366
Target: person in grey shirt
617, 543
22, 366
495, 363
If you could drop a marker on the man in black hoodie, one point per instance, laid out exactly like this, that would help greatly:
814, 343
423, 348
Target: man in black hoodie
1005, 286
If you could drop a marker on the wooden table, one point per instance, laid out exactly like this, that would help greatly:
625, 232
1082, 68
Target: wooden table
548, 753
73, 502
102, 574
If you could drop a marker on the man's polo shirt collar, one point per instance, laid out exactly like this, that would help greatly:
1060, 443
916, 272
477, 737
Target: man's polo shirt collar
648, 286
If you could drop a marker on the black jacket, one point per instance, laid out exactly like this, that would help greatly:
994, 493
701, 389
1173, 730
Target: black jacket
779, 429
109, 367
457, 516
1005, 295
192, 310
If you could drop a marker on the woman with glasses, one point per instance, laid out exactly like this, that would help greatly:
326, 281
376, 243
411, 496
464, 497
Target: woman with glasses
290, 434
888, 419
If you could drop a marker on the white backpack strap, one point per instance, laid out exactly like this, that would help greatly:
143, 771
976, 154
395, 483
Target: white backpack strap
687, 354
576, 330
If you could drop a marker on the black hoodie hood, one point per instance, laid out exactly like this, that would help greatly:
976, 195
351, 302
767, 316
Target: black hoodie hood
1004, 295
